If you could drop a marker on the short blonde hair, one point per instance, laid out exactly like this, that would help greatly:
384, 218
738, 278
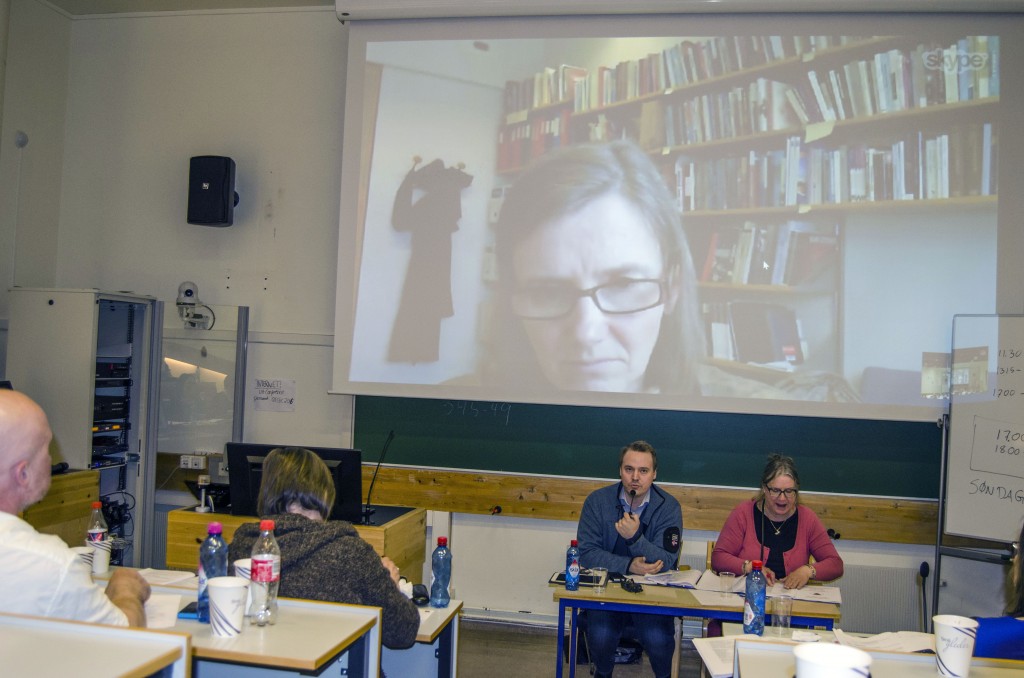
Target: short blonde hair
295, 475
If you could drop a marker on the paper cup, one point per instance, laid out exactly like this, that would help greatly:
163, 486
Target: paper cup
227, 605
243, 569
782, 611
954, 644
101, 555
828, 660
84, 553
599, 572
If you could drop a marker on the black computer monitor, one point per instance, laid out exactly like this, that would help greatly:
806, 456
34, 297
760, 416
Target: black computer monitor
245, 471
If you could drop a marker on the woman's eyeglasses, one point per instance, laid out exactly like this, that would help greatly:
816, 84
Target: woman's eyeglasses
775, 492
549, 301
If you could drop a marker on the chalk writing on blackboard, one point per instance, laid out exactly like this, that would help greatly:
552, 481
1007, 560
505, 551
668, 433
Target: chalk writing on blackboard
498, 412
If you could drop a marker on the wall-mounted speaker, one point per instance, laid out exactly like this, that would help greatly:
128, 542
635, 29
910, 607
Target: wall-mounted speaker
211, 190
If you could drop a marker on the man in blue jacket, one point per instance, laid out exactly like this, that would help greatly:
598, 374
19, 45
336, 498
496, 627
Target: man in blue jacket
635, 528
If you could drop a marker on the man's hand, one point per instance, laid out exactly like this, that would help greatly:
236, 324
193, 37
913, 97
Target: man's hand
129, 592
627, 525
390, 566
639, 566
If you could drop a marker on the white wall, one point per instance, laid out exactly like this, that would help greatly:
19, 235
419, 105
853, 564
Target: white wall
115, 106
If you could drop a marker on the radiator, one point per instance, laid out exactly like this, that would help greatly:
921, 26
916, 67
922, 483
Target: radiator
875, 599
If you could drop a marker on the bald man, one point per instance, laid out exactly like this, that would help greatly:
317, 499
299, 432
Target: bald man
42, 575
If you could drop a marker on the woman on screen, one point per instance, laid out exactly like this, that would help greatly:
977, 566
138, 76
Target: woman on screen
775, 529
322, 559
1003, 637
597, 290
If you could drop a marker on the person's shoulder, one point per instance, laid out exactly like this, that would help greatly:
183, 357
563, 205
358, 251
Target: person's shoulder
667, 497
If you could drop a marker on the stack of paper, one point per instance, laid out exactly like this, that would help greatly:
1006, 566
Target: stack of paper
898, 641
686, 579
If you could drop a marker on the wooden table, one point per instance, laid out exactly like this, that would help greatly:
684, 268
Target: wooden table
37, 646
775, 659
309, 637
401, 536
434, 654
667, 600
436, 648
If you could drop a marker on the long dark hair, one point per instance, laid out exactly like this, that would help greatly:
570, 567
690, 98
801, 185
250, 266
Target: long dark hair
561, 183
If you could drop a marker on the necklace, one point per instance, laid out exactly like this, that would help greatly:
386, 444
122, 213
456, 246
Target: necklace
778, 528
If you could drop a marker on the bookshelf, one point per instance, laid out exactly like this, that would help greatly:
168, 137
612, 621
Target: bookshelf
770, 144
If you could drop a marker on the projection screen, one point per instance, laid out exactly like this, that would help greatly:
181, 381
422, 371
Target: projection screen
777, 214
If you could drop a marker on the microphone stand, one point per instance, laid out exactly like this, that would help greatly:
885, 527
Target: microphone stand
367, 511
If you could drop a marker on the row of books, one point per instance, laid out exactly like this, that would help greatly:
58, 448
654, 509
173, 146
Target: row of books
550, 86
687, 62
521, 142
753, 332
899, 80
958, 161
692, 61
760, 106
891, 81
791, 253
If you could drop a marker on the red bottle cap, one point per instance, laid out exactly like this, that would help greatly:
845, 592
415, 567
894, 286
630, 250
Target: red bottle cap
97, 504
755, 564
442, 541
574, 543
266, 525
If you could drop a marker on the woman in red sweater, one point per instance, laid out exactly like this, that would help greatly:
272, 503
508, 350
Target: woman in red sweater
774, 528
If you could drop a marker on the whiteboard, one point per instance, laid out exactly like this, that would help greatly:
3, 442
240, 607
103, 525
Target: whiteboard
985, 450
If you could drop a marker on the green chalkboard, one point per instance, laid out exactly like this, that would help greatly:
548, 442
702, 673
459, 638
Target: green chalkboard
844, 456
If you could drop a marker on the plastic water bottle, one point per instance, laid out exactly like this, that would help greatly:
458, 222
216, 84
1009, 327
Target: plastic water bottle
441, 568
572, 566
97, 524
265, 576
213, 562
753, 606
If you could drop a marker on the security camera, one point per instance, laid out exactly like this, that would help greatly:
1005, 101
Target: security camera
188, 293
189, 307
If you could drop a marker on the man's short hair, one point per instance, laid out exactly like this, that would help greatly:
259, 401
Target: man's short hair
640, 446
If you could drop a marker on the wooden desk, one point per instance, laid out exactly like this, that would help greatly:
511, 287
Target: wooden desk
774, 659
403, 539
676, 602
35, 646
436, 648
309, 637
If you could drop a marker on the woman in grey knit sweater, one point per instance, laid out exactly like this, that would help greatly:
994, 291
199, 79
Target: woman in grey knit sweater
321, 559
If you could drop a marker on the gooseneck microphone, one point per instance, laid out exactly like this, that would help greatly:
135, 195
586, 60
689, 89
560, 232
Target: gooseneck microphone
367, 511
632, 496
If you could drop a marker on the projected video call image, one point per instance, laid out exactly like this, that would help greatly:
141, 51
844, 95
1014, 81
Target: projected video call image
670, 221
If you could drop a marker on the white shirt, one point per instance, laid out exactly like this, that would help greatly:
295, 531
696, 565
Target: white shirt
45, 578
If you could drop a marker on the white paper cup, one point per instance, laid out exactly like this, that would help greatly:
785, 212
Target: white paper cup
828, 660
954, 644
599, 572
101, 555
227, 605
726, 580
243, 569
84, 554
782, 612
